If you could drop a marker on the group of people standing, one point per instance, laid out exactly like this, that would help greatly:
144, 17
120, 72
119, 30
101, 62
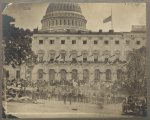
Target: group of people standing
66, 91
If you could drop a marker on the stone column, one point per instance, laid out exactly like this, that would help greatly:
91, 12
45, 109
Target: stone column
103, 75
57, 74
91, 74
114, 75
47, 74
68, 76
80, 74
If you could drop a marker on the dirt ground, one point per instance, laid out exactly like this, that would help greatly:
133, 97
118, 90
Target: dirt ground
57, 109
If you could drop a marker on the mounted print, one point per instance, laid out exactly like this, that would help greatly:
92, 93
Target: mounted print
74, 60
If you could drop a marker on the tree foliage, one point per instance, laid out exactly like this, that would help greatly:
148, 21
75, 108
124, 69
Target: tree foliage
136, 72
17, 42
134, 79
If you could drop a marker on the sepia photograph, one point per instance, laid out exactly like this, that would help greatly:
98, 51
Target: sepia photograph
74, 60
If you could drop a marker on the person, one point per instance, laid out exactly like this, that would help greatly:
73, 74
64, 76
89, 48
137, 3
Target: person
70, 96
49, 95
65, 97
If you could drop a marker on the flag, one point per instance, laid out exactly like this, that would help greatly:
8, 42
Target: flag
69, 55
57, 57
108, 19
112, 56
91, 55
79, 56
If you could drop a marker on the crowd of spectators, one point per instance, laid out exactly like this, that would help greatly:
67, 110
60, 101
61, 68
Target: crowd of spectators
76, 91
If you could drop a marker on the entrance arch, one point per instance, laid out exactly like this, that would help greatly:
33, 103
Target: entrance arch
40, 74
108, 74
119, 74
97, 75
74, 74
63, 74
51, 74
85, 75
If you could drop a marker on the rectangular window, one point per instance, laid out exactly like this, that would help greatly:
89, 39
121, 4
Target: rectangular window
18, 74
51, 59
40, 41
95, 42
73, 41
106, 42
40, 57
84, 41
52, 55
74, 60
138, 42
95, 59
117, 42
51, 41
62, 41
84, 59
127, 42
63, 55
106, 59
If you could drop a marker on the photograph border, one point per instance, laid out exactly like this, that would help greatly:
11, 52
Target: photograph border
87, 1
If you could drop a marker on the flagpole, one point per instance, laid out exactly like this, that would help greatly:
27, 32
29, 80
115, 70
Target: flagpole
111, 19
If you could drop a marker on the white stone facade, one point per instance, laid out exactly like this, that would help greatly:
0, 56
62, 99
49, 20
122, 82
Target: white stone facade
119, 44
78, 53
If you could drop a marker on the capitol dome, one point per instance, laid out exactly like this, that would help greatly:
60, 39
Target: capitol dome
63, 16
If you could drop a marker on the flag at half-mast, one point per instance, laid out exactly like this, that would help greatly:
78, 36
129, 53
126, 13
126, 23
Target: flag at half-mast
108, 19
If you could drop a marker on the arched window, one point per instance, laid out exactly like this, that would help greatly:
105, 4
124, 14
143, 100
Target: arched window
40, 55
95, 54
51, 74
63, 54
52, 55
63, 74
85, 75
40, 74
119, 74
73, 54
117, 54
106, 54
29, 74
108, 74
85, 55
97, 75
74, 74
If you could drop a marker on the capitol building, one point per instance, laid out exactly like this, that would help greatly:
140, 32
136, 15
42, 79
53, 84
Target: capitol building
66, 50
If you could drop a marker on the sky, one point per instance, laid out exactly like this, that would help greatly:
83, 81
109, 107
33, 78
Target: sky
29, 15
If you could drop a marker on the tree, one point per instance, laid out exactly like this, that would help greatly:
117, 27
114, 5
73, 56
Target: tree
136, 72
17, 43
135, 80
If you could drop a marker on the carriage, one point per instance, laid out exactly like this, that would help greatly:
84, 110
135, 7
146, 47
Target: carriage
136, 105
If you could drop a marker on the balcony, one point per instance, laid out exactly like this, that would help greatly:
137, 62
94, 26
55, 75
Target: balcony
75, 62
